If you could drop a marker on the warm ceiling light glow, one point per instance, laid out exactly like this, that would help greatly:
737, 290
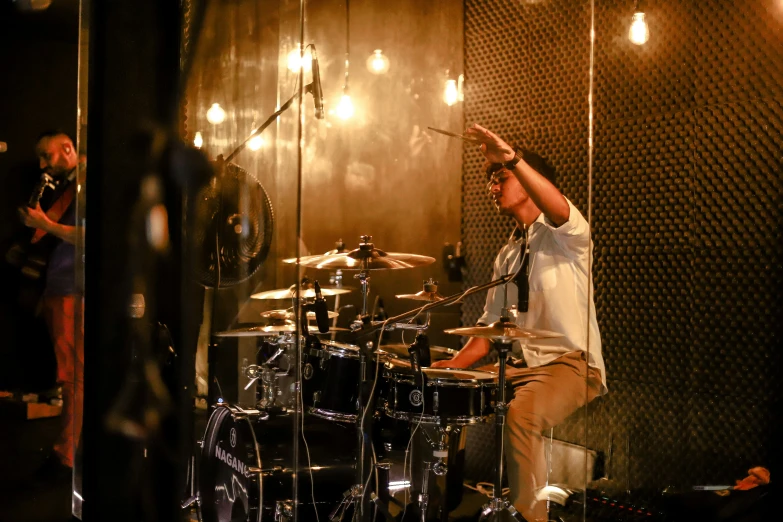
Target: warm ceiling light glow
639, 32
216, 115
378, 63
451, 95
345, 108
198, 141
296, 62
255, 143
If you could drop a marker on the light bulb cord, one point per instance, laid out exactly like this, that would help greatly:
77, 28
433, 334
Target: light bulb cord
347, 42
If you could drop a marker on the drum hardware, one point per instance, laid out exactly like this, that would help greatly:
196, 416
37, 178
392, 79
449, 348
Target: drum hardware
424, 497
362, 259
502, 335
284, 511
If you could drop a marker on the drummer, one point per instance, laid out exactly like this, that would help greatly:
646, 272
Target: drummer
559, 375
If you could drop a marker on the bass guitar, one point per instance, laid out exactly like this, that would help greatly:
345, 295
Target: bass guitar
29, 257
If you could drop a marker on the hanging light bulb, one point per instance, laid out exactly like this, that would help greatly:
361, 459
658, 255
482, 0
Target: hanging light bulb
256, 142
378, 63
296, 62
451, 95
216, 115
345, 108
639, 33
198, 140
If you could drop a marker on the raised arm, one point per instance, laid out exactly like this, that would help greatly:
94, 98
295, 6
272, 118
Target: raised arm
543, 193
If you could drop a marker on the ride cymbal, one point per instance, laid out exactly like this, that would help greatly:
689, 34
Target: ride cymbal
503, 331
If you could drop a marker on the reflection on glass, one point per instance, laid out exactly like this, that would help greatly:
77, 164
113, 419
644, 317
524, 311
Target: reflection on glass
639, 33
378, 63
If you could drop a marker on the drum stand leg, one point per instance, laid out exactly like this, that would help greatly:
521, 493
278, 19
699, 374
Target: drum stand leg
497, 503
424, 496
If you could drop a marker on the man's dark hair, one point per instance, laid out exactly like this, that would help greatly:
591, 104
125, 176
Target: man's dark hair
541, 166
51, 133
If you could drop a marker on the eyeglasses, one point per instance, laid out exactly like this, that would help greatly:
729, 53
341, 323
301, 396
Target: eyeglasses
496, 177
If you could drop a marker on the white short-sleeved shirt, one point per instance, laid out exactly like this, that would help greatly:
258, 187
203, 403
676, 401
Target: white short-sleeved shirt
560, 297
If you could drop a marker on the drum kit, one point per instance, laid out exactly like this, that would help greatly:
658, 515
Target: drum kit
346, 392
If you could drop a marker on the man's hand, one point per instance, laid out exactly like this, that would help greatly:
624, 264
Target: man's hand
448, 363
494, 149
34, 217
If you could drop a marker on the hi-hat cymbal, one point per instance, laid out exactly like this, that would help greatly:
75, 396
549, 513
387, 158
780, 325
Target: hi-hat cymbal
366, 257
421, 296
429, 292
289, 314
503, 331
305, 293
437, 353
262, 330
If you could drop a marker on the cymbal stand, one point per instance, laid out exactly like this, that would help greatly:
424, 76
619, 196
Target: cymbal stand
356, 495
497, 503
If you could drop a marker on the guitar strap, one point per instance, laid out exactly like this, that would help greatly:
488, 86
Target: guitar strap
57, 210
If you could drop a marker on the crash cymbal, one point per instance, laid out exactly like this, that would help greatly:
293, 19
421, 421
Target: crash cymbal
366, 257
503, 331
307, 293
289, 314
437, 353
262, 330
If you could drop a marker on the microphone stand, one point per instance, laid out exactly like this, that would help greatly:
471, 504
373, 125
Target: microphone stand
373, 326
308, 89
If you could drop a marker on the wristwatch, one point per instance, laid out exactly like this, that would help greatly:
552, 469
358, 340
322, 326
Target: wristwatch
510, 164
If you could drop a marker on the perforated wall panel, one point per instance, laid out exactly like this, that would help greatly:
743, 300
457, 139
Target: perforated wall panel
686, 215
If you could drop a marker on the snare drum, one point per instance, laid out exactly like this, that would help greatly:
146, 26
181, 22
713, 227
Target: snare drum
450, 397
330, 381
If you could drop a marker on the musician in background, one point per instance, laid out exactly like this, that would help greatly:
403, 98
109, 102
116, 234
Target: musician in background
58, 158
558, 375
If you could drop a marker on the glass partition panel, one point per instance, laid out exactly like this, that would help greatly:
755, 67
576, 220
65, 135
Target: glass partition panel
349, 210
243, 111
80, 251
688, 251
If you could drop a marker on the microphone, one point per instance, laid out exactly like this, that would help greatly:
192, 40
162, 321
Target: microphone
318, 93
522, 282
136, 306
320, 309
422, 344
415, 354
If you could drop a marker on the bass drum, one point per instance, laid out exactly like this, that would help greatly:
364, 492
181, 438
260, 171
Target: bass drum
245, 471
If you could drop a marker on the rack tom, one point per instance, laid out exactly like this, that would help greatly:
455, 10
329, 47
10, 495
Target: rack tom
330, 380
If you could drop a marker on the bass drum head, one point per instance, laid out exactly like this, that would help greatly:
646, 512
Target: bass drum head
232, 444
226, 491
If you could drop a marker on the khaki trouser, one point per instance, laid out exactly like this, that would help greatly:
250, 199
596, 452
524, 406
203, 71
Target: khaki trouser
543, 398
